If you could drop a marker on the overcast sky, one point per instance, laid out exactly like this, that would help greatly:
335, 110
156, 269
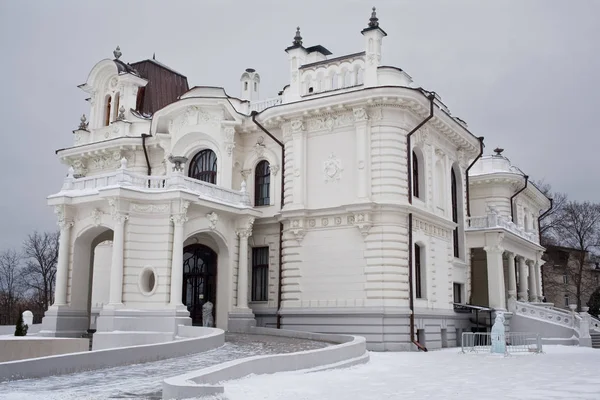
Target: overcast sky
524, 74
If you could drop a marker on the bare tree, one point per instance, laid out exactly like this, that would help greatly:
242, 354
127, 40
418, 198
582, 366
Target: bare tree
578, 226
549, 221
41, 253
11, 284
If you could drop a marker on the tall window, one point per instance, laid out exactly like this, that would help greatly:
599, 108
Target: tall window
565, 278
415, 168
262, 184
260, 273
457, 290
455, 212
567, 302
204, 166
418, 273
107, 111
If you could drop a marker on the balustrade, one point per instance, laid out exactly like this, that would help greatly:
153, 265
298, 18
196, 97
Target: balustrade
123, 178
494, 220
262, 104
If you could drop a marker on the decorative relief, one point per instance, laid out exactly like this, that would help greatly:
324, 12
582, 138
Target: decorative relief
246, 230
431, 229
338, 220
274, 169
229, 139
150, 208
79, 168
194, 115
332, 168
62, 221
360, 114
329, 122
245, 173
107, 161
325, 221
312, 223
259, 149
97, 216
213, 218
297, 125
361, 221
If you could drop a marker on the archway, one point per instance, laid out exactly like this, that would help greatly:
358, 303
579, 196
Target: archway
82, 271
199, 280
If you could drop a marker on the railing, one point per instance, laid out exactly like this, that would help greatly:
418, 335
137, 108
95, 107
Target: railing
515, 342
494, 220
594, 324
262, 104
124, 178
567, 320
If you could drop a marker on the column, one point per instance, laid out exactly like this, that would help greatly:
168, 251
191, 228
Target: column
242, 283
538, 281
298, 168
362, 152
522, 279
62, 264
116, 269
512, 277
495, 269
532, 286
177, 260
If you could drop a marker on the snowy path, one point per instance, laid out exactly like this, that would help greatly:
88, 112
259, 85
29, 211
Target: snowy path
561, 373
144, 381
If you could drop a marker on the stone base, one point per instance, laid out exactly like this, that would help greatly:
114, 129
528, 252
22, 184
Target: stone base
240, 321
585, 342
62, 321
386, 329
113, 318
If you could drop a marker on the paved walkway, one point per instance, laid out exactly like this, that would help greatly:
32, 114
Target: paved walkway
144, 381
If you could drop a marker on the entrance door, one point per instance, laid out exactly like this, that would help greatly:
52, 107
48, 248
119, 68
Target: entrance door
199, 280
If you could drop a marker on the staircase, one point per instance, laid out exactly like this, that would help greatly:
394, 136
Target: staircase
595, 340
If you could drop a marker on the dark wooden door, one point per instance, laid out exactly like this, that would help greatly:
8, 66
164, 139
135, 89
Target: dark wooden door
199, 280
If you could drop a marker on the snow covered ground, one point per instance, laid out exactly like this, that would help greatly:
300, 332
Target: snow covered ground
561, 373
144, 381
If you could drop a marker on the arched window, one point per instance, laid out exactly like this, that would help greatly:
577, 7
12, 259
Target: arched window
415, 177
418, 273
107, 111
204, 166
455, 211
262, 184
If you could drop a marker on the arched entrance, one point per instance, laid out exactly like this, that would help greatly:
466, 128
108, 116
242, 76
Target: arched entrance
199, 280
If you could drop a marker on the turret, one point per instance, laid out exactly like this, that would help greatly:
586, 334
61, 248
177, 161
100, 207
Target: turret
373, 37
297, 55
250, 82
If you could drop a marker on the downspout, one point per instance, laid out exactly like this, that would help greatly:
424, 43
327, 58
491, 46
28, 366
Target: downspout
467, 174
144, 136
512, 207
411, 300
542, 216
262, 128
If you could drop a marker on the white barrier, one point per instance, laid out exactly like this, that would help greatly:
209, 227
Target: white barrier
197, 340
350, 350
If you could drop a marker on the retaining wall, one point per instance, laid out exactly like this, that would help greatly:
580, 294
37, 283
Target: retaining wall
348, 350
195, 340
10, 329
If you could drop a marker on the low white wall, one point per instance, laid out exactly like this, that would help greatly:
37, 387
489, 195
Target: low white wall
10, 329
350, 350
112, 340
26, 347
196, 340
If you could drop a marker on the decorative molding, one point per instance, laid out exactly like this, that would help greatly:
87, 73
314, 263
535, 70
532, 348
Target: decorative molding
363, 223
431, 229
332, 168
359, 114
97, 216
181, 218
213, 218
274, 169
245, 173
62, 221
229, 140
246, 230
150, 208
297, 125
259, 149
494, 249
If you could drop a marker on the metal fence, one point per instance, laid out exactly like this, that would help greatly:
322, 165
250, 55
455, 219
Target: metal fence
516, 342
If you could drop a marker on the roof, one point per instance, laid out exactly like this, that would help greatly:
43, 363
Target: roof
318, 48
125, 68
165, 85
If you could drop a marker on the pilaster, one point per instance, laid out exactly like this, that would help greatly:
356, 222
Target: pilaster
495, 277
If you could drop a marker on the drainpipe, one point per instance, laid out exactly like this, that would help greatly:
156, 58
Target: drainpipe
144, 136
481, 146
542, 216
512, 207
262, 128
411, 300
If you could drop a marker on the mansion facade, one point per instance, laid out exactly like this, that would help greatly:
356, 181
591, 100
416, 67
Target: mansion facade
352, 202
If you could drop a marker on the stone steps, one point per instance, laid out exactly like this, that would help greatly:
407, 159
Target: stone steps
595, 340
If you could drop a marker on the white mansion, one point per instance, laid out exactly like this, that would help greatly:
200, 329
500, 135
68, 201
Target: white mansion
353, 202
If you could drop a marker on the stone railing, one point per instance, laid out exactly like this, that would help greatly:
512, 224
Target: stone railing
262, 104
594, 324
73, 187
494, 220
568, 320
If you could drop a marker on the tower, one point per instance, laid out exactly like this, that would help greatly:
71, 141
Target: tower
250, 81
373, 36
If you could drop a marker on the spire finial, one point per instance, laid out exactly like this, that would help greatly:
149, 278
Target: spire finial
498, 151
297, 39
373, 21
83, 124
117, 53
154, 56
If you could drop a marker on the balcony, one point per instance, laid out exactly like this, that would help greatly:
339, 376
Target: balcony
122, 178
258, 106
494, 221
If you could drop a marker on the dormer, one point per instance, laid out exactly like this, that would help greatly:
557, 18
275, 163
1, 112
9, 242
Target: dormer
113, 88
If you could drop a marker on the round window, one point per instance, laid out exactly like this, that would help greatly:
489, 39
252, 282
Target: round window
147, 281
